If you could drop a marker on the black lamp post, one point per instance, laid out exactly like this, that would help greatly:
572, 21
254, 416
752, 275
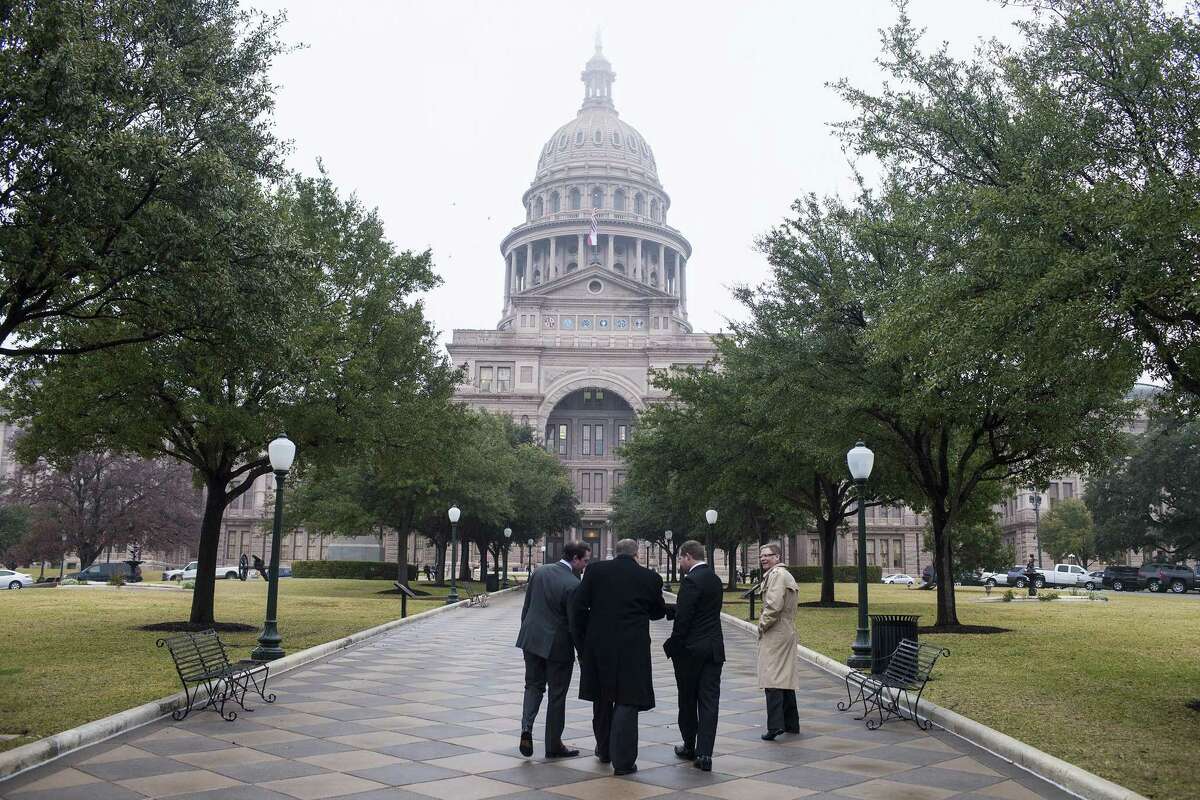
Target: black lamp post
1036, 500
670, 557
62, 561
281, 451
507, 536
454, 514
529, 553
860, 461
711, 516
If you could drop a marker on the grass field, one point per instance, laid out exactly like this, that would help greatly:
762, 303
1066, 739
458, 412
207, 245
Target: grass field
1100, 684
74, 655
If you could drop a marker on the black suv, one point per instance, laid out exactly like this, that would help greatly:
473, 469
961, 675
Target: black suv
1122, 579
1160, 577
104, 571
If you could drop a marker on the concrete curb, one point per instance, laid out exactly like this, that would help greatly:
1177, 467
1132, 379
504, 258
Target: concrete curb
1063, 774
26, 757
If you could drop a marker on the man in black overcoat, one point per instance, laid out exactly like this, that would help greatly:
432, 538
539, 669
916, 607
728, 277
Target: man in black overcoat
611, 613
696, 648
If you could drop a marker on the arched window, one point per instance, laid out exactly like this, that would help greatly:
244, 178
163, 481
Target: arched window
597, 198
554, 203
597, 137
619, 200
631, 142
619, 268
562, 142
653, 278
572, 267
538, 208
574, 199
578, 138
537, 277
654, 210
639, 204
616, 139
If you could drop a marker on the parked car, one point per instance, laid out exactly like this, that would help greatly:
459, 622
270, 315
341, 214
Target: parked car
993, 578
104, 572
1019, 578
1071, 575
907, 580
969, 579
1121, 579
188, 573
1159, 577
11, 579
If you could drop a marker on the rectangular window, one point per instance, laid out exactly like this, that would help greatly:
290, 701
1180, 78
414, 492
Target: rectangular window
883, 512
504, 379
897, 553
622, 433
599, 440
526, 374
587, 440
598, 488
587, 488
524, 317
618, 479
485, 379
884, 561
562, 440
1068, 490
870, 552
814, 551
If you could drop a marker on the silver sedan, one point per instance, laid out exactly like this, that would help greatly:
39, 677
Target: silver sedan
14, 580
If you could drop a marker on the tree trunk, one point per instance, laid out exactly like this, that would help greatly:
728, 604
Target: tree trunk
828, 548
731, 555
464, 561
440, 559
943, 566
483, 561
206, 561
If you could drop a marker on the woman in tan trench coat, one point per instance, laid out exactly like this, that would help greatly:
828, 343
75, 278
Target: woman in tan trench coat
777, 668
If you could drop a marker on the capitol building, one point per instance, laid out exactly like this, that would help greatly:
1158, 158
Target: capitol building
594, 298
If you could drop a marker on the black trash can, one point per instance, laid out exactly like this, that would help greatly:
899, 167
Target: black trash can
492, 584
886, 632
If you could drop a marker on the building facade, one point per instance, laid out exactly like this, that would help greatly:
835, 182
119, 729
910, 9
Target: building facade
594, 297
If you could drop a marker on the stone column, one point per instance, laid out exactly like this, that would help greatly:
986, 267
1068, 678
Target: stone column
610, 252
529, 264
638, 260
509, 269
579, 253
553, 255
682, 286
662, 266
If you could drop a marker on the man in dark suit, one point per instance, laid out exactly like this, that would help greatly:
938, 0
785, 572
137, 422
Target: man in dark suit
611, 614
545, 638
696, 648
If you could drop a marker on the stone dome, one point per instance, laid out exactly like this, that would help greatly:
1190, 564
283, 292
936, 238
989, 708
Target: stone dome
597, 137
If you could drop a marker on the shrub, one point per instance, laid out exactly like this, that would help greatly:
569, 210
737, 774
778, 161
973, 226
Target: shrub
842, 573
1046, 597
69, 582
1008, 596
366, 570
189, 585
116, 579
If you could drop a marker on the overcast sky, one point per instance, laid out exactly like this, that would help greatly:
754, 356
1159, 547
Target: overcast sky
435, 112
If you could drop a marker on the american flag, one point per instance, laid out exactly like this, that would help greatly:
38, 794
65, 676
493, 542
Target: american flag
594, 233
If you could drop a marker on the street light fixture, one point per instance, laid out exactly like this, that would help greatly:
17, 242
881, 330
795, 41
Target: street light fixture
861, 460
454, 514
281, 451
529, 555
711, 516
1035, 500
670, 557
507, 536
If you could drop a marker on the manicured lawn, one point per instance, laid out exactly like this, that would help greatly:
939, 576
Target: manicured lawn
74, 655
1100, 684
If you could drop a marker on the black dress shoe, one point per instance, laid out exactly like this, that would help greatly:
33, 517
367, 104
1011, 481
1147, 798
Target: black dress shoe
562, 753
602, 757
703, 763
769, 736
686, 753
527, 743
629, 771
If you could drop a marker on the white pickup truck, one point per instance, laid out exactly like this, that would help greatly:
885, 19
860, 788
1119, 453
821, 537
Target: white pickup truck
188, 573
1058, 575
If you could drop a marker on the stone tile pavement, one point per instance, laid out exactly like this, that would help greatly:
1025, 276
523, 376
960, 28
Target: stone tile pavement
432, 711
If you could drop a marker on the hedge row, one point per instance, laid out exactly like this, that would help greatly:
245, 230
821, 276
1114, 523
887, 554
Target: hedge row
369, 570
841, 574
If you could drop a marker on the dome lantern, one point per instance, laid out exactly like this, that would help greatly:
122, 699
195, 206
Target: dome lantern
598, 77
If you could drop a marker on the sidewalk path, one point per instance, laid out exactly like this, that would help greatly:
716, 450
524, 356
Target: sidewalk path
432, 711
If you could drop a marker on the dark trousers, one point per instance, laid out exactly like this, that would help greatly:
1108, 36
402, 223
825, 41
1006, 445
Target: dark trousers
541, 673
781, 710
699, 685
616, 730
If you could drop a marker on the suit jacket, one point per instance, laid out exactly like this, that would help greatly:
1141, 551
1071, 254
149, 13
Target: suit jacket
611, 613
545, 624
697, 634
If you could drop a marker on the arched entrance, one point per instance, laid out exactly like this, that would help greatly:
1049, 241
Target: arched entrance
585, 428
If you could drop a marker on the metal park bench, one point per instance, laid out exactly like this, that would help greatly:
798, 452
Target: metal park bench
480, 600
203, 664
895, 692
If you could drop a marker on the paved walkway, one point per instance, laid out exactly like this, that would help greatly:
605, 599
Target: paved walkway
432, 711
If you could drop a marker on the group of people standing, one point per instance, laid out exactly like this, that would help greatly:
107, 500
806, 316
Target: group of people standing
605, 619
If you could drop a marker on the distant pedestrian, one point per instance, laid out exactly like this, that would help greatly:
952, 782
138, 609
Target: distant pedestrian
261, 568
778, 673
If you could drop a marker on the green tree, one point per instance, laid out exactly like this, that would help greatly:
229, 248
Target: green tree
1150, 497
14, 527
1068, 530
123, 126
1072, 155
312, 328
